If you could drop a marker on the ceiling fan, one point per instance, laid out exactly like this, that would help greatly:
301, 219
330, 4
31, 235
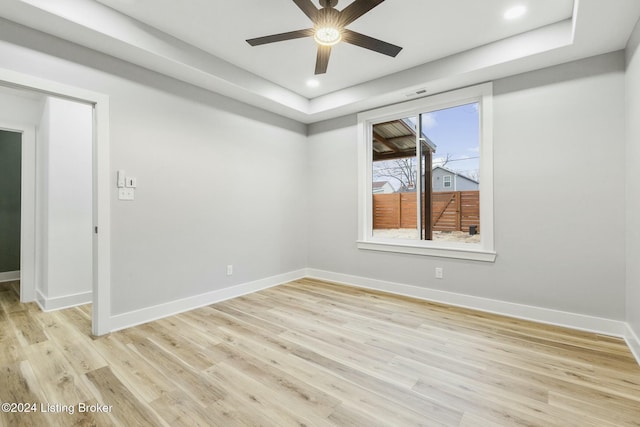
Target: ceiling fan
329, 29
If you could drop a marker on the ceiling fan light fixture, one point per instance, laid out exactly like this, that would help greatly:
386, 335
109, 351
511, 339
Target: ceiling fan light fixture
327, 36
329, 28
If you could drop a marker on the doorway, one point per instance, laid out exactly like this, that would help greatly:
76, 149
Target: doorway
46, 194
10, 204
99, 183
18, 217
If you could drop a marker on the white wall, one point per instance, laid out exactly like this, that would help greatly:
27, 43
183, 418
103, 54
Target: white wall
16, 108
42, 205
219, 182
559, 246
66, 201
633, 184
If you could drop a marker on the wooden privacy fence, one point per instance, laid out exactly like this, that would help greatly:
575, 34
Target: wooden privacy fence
451, 210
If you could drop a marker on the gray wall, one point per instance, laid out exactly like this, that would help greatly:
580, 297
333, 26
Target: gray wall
632, 181
201, 161
561, 248
10, 167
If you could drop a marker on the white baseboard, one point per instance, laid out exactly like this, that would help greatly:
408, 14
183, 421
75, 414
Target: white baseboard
542, 315
521, 311
9, 276
633, 342
137, 317
67, 301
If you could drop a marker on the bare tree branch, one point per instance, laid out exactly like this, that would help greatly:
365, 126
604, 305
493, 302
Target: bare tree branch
403, 171
447, 159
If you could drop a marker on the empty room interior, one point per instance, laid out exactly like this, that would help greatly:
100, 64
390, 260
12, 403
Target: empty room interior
320, 213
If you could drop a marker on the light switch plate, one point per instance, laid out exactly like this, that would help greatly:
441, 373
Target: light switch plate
130, 182
126, 194
120, 179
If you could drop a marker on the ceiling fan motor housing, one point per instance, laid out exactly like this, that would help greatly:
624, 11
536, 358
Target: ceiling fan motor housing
328, 17
328, 3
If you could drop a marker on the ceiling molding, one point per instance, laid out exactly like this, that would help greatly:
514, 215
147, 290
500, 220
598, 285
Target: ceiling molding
101, 28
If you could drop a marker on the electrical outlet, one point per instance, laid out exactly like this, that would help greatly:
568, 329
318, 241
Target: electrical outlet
439, 273
126, 194
229, 270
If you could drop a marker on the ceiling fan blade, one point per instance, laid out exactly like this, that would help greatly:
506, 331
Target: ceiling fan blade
356, 9
322, 60
308, 8
370, 43
281, 37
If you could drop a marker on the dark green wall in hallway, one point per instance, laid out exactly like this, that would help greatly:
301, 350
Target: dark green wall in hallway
10, 169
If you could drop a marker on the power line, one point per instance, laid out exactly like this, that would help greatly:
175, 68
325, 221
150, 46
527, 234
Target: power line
462, 159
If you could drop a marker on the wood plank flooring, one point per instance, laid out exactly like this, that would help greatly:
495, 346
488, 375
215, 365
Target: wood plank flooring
310, 353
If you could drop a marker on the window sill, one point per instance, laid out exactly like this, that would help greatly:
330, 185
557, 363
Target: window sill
442, 252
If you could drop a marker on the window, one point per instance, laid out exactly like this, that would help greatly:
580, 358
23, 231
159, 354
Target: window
435, 157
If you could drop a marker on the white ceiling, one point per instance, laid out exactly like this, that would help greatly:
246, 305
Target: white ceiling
446, 44
426, 29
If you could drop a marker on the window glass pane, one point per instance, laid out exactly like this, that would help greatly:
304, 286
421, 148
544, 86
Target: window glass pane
449, 208
394, 179
455, 196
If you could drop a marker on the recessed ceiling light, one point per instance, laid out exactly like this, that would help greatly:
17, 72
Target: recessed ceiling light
313, 83
515, 12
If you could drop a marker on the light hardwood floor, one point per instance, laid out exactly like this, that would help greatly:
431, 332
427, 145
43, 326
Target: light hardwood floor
311, 353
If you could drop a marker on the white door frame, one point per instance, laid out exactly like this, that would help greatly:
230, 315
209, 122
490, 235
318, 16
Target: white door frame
27, 207
101, 185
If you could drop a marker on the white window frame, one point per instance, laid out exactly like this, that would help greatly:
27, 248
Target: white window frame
483, 251
446, 179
